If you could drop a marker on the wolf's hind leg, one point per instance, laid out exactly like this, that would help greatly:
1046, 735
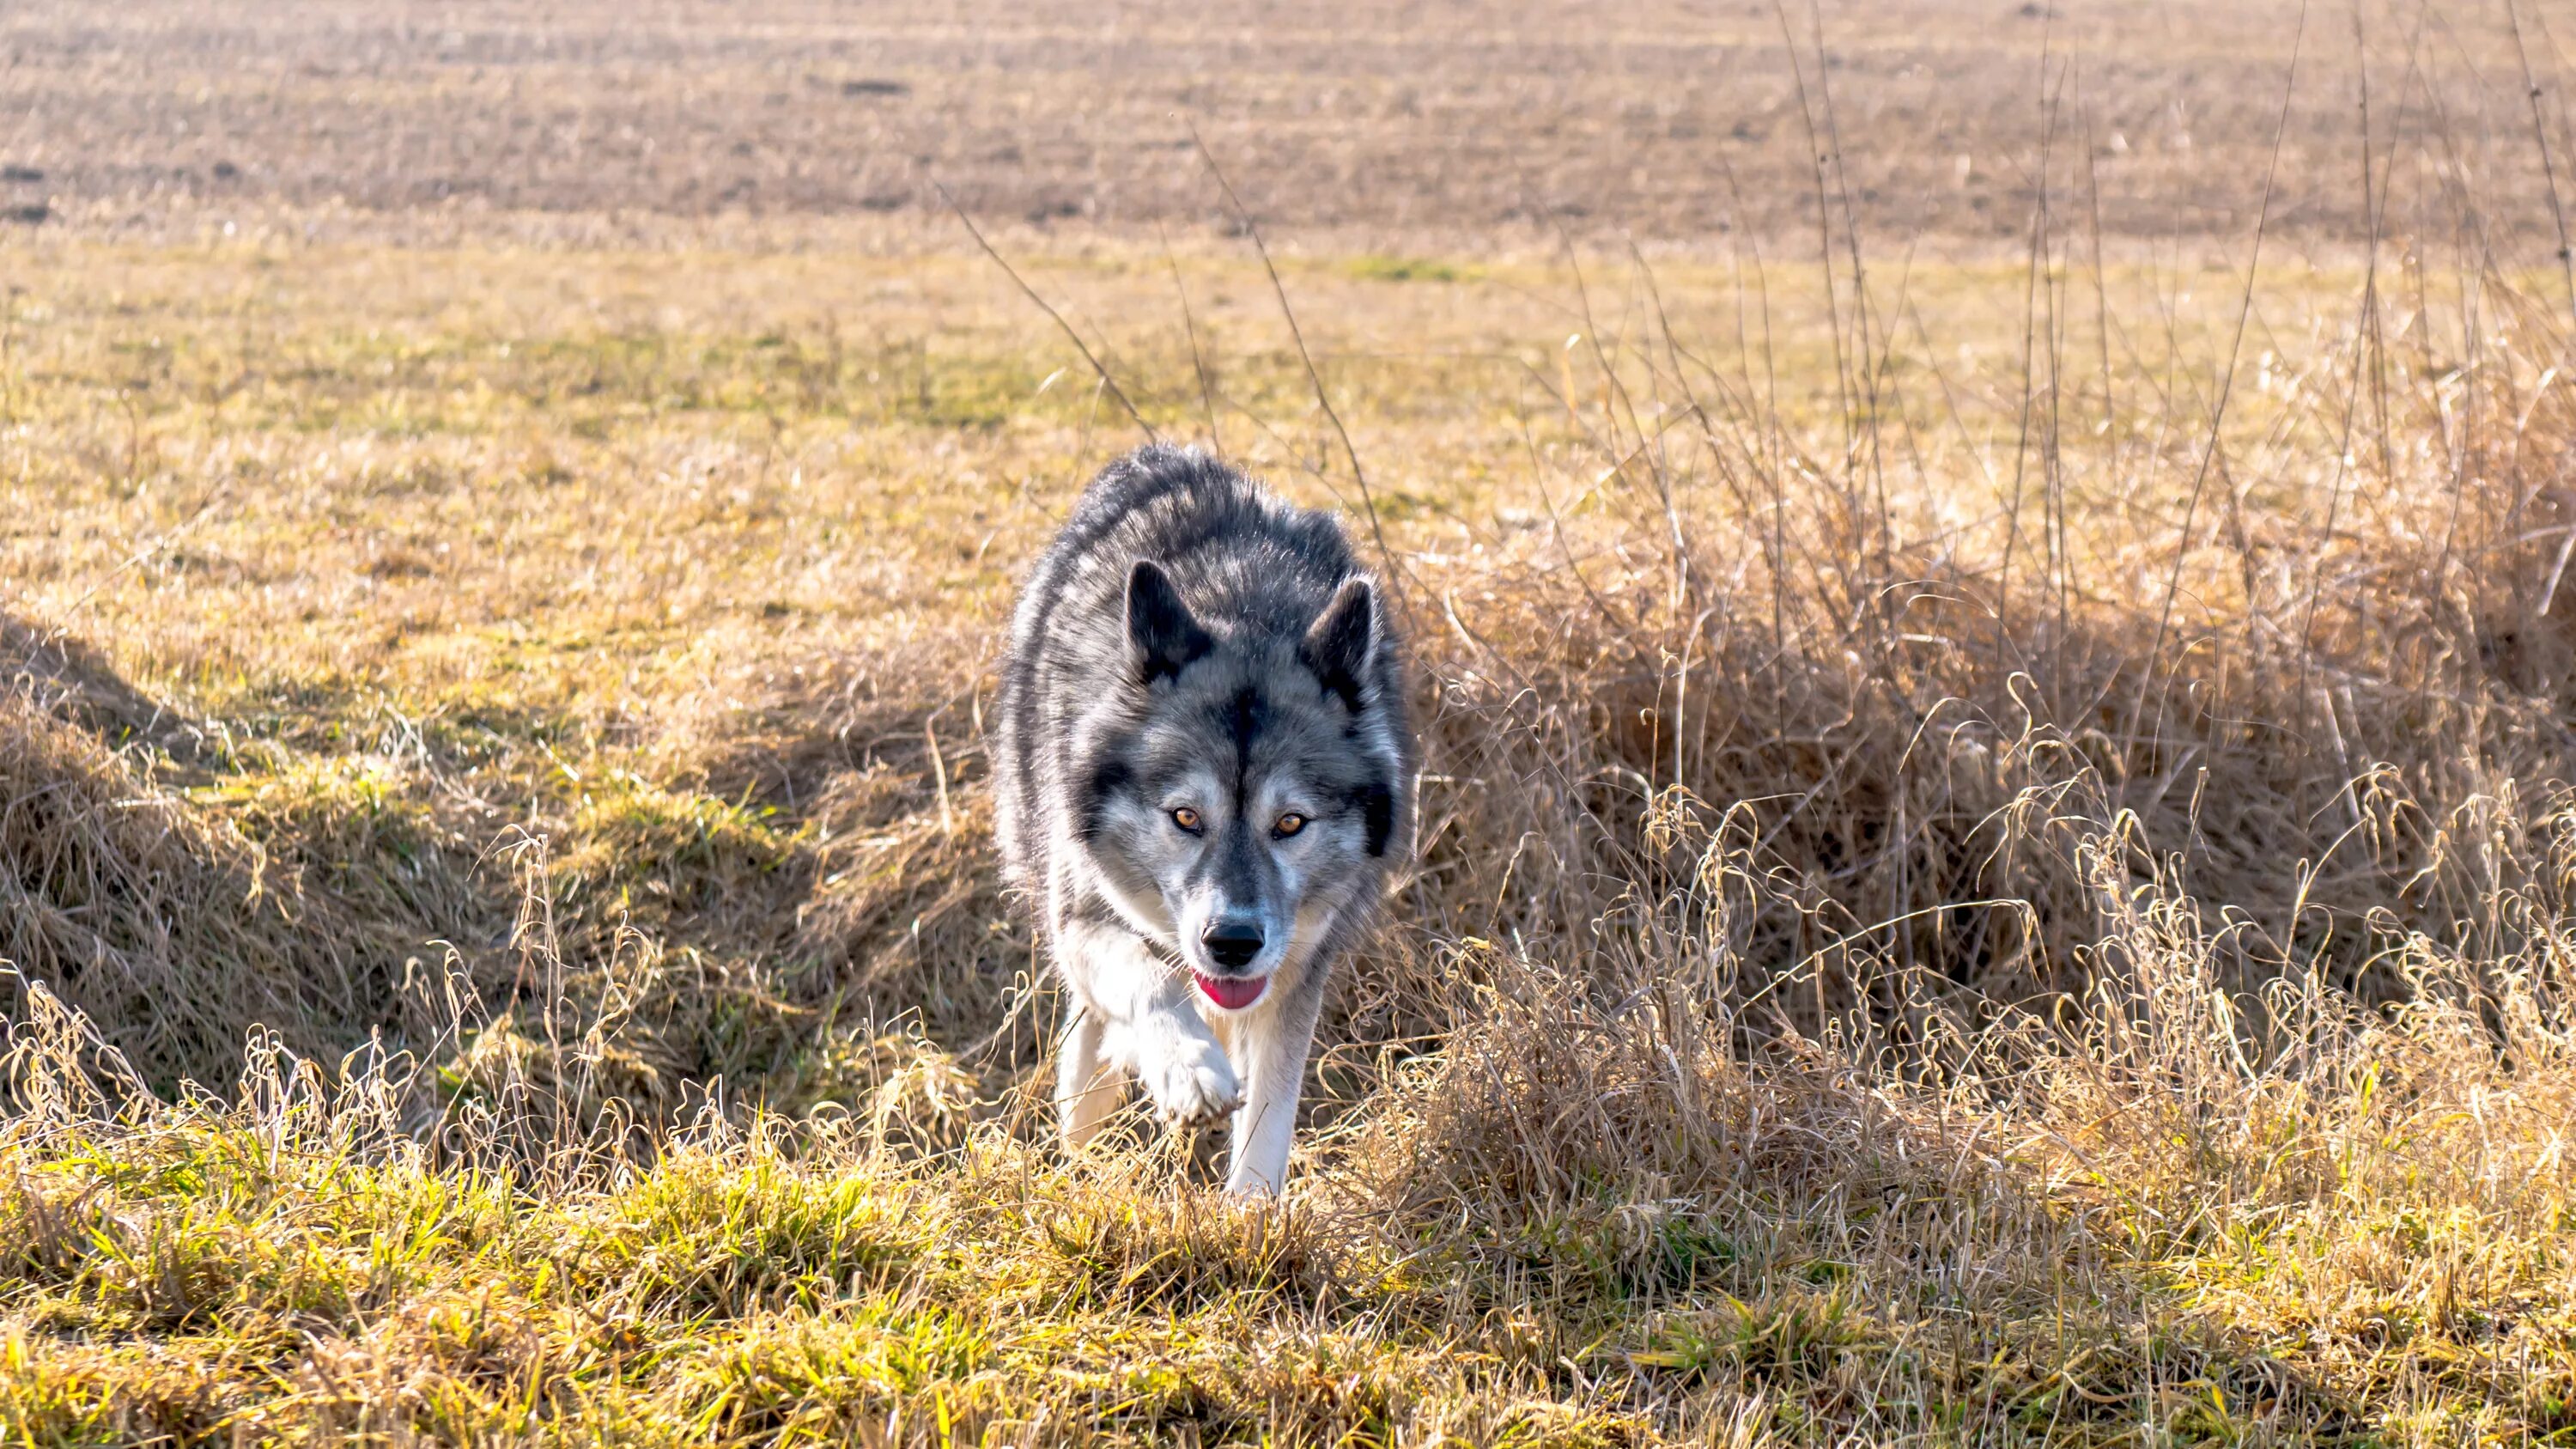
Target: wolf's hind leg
1086, 1088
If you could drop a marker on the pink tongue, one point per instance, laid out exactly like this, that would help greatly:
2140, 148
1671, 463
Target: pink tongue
1234, 993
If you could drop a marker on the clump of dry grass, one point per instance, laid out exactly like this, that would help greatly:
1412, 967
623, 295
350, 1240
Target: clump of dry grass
182, 929
1902, 727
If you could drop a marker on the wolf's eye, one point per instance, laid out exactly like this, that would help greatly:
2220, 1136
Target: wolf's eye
1187, 819
1289, 824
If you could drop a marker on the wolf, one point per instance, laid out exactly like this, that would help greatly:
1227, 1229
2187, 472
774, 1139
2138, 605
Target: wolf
1205, 781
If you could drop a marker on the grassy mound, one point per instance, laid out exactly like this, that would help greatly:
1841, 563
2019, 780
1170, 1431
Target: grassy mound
1590, 1218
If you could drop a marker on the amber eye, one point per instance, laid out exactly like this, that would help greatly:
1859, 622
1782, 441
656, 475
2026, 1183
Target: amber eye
1289, 824
1187, 819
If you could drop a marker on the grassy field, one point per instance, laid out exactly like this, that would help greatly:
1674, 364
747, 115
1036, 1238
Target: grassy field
1999, 860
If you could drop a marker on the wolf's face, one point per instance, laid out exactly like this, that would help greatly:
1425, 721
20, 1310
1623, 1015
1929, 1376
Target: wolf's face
1247, 800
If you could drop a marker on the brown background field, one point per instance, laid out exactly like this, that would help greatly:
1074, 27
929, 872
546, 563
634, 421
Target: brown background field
1396, 123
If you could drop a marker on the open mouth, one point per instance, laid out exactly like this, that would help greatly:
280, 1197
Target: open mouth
1234, 993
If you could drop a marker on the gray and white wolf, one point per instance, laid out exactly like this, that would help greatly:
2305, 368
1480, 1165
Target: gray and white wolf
1205, 777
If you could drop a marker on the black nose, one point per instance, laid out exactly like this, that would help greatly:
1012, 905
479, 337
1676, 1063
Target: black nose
1232, 943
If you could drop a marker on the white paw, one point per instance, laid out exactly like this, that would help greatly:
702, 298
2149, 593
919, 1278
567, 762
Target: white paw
1192, 1082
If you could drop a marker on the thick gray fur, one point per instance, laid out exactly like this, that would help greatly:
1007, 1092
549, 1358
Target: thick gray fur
1192, 662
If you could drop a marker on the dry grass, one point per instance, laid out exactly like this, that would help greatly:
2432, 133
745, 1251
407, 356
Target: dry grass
1998, 842
1462, 126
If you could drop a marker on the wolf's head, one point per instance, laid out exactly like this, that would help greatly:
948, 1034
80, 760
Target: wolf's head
1248, 799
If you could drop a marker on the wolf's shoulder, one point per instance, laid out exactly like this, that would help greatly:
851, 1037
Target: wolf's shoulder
1201, 517
1161, 478
1233, 547
1163, 502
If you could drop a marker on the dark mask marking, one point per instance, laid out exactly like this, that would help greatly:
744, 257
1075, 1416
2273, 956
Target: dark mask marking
1110, 777
1377, 807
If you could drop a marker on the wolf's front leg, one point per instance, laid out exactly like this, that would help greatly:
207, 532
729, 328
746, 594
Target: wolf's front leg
1152, 1028
1086, 1088
1272, 1049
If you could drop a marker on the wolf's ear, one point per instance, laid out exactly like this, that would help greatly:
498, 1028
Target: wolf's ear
1159, 626
1338, 643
